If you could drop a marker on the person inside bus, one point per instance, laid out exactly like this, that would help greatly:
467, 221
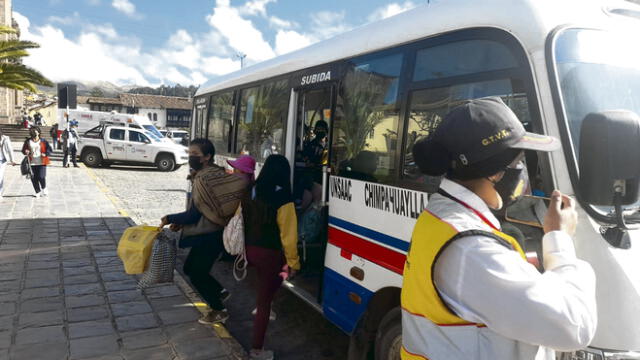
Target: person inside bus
215, 198
468, 292
362, 167
271, 238
315, 151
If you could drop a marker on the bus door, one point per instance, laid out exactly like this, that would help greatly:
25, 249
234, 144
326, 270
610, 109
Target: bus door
310, 182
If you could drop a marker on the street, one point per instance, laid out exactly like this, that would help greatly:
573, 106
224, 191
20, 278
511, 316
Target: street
146, 195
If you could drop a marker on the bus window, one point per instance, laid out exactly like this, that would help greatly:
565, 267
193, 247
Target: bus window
429, 106
220, 118
263, 116
454, 59
365, 129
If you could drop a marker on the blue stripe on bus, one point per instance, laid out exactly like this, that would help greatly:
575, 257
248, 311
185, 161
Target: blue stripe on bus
371, 234
337, 304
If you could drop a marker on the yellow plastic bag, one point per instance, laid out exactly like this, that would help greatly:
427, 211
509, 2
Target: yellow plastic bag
134, 248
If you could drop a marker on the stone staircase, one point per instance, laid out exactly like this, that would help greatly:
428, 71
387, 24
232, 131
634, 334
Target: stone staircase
17, 134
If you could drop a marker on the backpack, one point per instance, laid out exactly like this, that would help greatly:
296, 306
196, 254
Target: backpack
25, 168
233, 240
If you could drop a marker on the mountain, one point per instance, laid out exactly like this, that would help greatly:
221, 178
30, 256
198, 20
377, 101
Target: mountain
108, 89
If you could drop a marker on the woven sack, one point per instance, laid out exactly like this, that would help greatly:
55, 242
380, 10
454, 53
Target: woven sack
162, 263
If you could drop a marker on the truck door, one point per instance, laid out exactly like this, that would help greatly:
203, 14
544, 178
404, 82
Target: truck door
115, 144
138, 147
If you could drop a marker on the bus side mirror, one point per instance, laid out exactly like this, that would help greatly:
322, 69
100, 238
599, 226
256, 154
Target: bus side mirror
609, 158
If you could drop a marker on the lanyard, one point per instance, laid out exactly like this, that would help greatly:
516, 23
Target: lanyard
478, 213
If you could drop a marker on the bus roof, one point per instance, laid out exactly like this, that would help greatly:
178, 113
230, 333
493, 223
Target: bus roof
530, 21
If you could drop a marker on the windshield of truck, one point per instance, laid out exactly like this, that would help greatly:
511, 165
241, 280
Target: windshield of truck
152, 136
154, 130
597, 71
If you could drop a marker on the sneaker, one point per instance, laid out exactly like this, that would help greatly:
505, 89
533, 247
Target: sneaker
224, 295
261, 354
214, 317
76, 166
45, 192
37, 195
272, 314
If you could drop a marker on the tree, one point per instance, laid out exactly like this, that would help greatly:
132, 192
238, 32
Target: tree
14, 74
97, 92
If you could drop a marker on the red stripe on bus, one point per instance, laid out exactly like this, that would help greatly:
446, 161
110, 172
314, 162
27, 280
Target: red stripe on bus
375, 253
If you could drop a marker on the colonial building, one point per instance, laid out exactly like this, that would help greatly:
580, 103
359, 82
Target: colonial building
11, 101
164, 111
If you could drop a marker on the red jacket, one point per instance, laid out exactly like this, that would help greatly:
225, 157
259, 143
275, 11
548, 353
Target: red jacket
45, 150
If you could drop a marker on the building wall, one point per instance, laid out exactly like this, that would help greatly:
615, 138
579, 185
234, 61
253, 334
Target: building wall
49, 114
11, 101
161, 121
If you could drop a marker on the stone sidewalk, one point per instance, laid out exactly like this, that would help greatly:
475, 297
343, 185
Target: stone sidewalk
63, 290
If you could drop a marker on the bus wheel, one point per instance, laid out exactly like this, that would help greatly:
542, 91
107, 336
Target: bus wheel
92, 158
389, 336
165, 163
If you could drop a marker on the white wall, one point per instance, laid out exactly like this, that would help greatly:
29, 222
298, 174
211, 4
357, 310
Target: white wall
162, 116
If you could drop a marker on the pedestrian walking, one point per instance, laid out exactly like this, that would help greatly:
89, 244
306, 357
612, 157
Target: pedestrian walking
215, 198
6, 158
271, 239
70, 144
54, 136
38, 150
468, 291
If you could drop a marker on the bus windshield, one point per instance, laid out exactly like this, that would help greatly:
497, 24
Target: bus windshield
597, 71
152, 129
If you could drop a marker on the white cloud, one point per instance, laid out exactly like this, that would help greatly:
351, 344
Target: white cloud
239, 33
65, 20
256, 7
327, 24
278, 23
126, 7
390, 10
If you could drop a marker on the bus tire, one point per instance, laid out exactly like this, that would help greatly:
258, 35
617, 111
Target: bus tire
165, 162
92, 158
389, 336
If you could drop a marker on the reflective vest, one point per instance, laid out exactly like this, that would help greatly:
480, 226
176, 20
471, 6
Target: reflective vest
431, 330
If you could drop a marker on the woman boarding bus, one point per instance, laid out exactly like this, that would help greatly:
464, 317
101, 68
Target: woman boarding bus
385, 86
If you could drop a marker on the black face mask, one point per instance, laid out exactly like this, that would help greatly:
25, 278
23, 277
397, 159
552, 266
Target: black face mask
514, 184
195, 162
320, 134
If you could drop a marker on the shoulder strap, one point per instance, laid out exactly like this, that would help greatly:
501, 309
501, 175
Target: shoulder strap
458, 236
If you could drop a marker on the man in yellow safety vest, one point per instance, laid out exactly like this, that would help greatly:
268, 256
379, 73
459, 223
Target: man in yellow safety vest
468, 291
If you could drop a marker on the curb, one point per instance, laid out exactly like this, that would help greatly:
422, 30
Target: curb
237, 351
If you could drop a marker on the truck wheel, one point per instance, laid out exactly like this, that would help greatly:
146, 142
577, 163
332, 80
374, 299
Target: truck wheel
389, 336
165, 163
92, 158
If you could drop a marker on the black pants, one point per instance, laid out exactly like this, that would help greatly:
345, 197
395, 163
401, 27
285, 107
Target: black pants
71, 150
38, 179
198, 265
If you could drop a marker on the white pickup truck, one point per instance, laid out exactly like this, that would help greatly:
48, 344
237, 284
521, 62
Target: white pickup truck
106, 145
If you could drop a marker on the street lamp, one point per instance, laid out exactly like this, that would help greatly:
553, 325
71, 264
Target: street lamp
241, 56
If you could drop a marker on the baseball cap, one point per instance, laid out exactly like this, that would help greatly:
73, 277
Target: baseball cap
482, 128
244, 163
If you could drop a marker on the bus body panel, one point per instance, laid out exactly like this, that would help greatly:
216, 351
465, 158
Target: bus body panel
370, 224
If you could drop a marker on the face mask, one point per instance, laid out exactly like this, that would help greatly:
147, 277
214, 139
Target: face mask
514, 184
195, 162
320, 134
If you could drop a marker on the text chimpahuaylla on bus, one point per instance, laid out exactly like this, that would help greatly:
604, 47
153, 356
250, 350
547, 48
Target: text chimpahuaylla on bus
386, 85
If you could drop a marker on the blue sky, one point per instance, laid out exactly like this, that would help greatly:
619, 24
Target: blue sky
147, 42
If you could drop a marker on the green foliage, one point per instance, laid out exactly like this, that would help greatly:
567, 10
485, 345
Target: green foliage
14, 74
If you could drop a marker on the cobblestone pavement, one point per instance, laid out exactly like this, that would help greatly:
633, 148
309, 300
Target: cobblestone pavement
147, 195
63, 290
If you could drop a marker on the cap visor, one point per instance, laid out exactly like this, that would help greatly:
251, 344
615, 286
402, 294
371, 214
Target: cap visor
537, 142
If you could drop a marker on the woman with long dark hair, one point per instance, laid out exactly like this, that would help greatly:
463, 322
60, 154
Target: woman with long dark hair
271, 238
215, 198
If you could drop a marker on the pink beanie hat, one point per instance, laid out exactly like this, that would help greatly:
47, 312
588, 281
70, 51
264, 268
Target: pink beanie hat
244, 163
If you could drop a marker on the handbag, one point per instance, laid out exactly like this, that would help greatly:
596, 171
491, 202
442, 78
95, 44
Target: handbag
25, 168
233, 239
162, 263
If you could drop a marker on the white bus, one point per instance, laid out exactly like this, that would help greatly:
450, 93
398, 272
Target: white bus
385, 85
